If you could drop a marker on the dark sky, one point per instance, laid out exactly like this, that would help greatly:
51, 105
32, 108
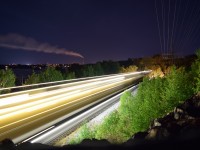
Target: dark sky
98, 29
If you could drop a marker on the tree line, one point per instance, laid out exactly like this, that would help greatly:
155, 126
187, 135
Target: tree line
50, 74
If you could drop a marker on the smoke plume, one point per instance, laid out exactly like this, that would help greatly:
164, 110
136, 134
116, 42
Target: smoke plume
16, 41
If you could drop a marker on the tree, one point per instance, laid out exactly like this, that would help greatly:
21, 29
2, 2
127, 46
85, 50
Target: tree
32, 79
7, 79
88, 71
156, 71
196, 73
110, 67
50, 74
70, 75
177, 87
131, 68
98, 70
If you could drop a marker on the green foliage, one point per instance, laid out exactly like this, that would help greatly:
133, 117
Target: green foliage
70, 75
98, 70
88, 71
7, 78
154, 99
131, 68
32, 79
156, 71
85, 133
110, 67
50, 74
109, 128
177, 87
195, 71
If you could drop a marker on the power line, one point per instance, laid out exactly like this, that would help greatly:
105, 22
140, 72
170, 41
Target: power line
158, 27
168, 27
163, 19
178, 24
173, 28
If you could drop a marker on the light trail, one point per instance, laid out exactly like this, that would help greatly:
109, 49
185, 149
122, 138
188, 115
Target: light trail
55, 132
72, 81
49, 101
27, 97
27, 111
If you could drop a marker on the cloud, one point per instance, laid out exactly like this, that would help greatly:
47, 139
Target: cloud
16, 41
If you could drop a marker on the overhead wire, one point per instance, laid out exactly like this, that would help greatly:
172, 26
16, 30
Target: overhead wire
171, 50
180, 33
168, 27
184, 39
178, 24
194, 25
163, 23
159, 31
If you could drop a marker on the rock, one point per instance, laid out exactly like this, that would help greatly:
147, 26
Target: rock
156, 123
94, 142
176, 116
140, 135
192, 106
179, 113
157, 133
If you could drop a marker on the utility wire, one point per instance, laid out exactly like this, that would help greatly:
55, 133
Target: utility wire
193, 26
186, 27
161, 46
180, 33
168, 27
173, 28
163, 23
176, 25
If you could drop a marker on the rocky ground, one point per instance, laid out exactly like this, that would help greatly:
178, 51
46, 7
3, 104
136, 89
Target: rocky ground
178, 130
181, 124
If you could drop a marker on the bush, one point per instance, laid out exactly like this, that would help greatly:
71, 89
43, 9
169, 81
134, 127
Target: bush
7, 79
196, 73
70, 75
50, 74
32, 79
85, 133
109, 128
177, 87
131, 68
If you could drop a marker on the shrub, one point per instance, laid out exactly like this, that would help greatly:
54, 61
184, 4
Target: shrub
70, 75
32, 79
86, 133
50, 74
108, 128
131, 68
177, 87
7, 78
196, 73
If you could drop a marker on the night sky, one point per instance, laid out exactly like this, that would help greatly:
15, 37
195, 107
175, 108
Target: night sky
95, 29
